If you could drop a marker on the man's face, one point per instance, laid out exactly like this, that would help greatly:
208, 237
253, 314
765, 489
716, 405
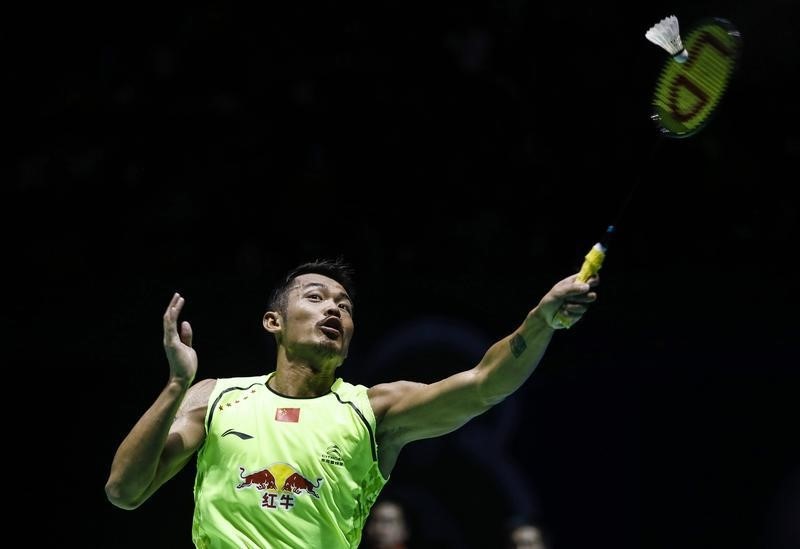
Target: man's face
318, 317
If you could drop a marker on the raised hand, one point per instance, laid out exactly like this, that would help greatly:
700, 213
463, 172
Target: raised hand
178, 344
567, 301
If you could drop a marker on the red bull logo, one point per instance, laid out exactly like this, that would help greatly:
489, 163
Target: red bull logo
280, 482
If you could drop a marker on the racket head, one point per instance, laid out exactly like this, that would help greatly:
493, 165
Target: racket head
687, 94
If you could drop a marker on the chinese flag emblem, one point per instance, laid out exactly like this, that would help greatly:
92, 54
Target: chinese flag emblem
292, 415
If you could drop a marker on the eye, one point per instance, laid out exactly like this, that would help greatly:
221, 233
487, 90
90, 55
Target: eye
314, 297
345, 306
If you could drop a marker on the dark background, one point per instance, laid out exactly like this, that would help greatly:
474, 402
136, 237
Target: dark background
464, 158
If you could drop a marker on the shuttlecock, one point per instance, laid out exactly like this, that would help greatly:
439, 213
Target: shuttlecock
666, 34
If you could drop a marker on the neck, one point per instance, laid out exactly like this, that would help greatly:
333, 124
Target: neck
301, 380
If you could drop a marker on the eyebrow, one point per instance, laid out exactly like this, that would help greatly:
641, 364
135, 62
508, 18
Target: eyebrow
309, 285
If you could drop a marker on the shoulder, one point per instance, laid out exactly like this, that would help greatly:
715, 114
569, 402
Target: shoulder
385, 395
225, 383
207, 384
199, 394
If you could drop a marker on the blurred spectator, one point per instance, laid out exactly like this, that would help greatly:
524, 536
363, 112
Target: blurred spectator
525, 533
387, 527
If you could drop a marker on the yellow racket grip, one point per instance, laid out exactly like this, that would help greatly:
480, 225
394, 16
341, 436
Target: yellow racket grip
592, 262
591, 265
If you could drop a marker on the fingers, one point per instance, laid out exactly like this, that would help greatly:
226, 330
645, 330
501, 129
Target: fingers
173, 312
573, 309
571, 289
567, 302
574, 306
186, 333
175, 303
573, 285
587, 297
567, 315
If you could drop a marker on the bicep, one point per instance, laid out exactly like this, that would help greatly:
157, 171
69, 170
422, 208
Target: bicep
415, 411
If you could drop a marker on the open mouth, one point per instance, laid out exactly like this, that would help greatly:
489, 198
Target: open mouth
331, 327
331, 333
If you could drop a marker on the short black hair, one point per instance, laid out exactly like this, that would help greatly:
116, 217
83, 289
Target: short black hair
337, 269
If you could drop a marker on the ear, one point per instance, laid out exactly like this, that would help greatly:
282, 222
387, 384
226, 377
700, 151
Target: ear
272, 322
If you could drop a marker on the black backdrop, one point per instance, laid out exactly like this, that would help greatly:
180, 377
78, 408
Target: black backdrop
464, 158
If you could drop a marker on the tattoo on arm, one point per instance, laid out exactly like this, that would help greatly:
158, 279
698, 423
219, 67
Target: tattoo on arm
518, 345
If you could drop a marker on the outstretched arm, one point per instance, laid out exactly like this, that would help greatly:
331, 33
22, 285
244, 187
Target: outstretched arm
170, 431
409, 411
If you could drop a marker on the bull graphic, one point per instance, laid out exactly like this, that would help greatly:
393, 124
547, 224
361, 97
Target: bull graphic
297, 483
263, 480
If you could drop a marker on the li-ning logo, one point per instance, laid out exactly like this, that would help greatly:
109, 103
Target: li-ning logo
243, 436
332, 455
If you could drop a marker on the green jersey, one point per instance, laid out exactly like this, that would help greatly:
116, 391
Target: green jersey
281, 472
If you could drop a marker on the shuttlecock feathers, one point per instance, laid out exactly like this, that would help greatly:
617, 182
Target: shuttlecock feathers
666, 34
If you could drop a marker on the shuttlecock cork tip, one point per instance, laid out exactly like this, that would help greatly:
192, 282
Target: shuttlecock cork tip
682, 56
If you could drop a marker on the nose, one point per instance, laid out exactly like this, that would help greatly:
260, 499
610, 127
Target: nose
332, 309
